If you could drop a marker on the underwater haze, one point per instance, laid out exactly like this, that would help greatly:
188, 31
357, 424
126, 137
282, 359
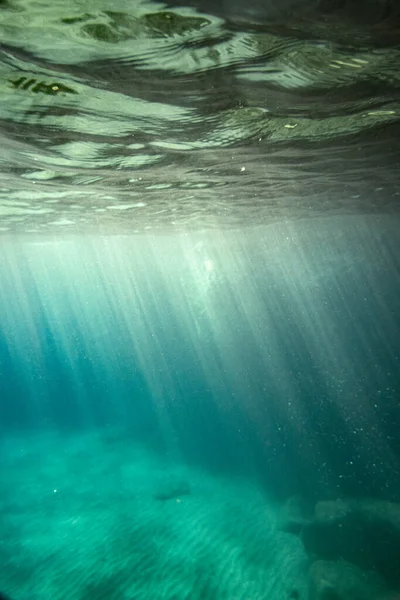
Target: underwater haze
199, 300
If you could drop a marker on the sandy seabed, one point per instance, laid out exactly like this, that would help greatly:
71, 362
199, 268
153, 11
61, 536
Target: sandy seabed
96, 515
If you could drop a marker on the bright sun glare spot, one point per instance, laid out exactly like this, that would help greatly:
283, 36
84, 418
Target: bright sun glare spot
208, 265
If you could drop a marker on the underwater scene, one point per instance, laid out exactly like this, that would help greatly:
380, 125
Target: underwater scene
199, 300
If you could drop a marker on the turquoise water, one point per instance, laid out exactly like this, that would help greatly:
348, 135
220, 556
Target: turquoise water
199, 300
104, 531
174, 408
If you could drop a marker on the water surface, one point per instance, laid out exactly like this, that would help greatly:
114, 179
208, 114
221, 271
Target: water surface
146, 116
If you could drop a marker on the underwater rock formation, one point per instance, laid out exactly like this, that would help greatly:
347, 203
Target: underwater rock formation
353, 546
295, 515
340, 580
365, 533
172, 488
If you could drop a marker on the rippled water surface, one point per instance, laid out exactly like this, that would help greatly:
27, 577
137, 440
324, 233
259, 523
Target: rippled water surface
130, 116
